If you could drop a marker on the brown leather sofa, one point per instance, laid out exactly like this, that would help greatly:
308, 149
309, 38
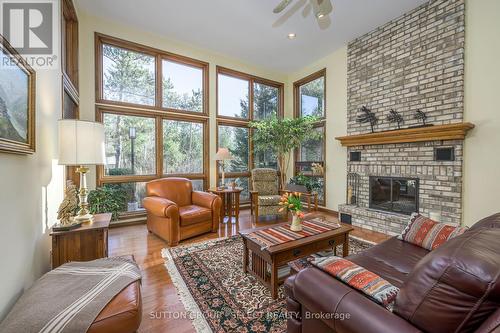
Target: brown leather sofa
176, 212
455, 288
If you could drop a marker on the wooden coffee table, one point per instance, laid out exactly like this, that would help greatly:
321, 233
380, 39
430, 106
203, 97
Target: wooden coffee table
266, 262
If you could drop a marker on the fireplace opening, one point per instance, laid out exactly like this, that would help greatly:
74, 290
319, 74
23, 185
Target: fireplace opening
394, 194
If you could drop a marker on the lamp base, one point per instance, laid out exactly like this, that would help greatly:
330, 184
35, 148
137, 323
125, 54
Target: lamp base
84, 218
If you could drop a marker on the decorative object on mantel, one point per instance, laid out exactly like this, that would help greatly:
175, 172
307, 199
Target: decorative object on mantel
81, 143
455, 131
395, 117
352, 193
67, 209
420, 115
291, 202
367, 116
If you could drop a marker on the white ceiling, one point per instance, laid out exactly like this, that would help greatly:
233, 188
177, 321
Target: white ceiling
248, 29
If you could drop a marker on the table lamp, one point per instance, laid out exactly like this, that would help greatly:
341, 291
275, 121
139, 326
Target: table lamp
223, 155
81, 143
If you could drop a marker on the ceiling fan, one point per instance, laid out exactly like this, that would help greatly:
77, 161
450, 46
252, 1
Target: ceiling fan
321, 7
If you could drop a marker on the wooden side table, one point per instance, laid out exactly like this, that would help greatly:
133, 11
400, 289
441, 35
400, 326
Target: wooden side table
88, 242
230, 207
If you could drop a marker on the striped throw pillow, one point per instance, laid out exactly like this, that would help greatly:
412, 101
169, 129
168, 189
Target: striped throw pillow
427, 233
359, 278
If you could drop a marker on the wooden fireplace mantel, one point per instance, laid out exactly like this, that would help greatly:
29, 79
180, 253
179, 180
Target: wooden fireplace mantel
418, 134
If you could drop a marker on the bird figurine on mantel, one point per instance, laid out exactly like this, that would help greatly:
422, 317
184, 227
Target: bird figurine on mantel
69, 205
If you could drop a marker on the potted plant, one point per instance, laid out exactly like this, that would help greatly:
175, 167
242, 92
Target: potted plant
308, 183
282, 136
291, 202
108, 200
129, 188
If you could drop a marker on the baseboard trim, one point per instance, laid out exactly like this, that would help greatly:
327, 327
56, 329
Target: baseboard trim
327, 210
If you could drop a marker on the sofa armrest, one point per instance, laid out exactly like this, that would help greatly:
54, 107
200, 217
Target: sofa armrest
203, 199
342, 308
161, 207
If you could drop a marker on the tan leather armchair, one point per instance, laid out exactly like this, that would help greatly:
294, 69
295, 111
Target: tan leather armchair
176, 212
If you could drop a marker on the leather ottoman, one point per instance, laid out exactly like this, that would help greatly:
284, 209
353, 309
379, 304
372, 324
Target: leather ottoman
123, 314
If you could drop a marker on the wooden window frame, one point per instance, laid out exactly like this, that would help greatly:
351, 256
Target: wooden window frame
102, 178
159, 56
69, 69
243, 122
296, 92
251, 80
320, 123
156, 112
69, 43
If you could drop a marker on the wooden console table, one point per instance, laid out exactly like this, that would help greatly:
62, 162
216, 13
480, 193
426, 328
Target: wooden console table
88, 242
230, 207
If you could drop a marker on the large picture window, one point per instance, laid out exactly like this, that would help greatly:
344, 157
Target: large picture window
130, 145
154, 108
128, 76
182, 147
310, 100
241, 98
182, 86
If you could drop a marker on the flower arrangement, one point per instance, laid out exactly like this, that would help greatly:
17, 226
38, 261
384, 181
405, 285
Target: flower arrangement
291, 202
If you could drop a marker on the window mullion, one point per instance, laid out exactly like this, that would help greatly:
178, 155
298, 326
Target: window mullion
159, 80
159, 147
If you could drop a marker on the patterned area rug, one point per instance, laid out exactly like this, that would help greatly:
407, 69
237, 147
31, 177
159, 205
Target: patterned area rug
218, 296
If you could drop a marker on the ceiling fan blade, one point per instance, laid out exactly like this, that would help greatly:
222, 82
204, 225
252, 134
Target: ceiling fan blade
324, 8
282, 5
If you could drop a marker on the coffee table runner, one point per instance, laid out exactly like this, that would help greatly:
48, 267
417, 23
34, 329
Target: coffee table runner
281, 234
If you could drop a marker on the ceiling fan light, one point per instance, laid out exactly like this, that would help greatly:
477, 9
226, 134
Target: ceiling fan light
320, 15
291, 35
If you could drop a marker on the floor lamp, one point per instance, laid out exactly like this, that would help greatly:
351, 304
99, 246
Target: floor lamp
223, 155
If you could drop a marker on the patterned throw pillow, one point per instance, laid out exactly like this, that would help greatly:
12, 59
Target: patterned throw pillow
359, 278
427, 233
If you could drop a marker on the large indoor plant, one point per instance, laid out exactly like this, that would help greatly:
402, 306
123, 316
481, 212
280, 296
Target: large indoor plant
108, 199
281, 137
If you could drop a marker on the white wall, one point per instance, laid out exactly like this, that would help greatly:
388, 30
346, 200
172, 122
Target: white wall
90, 24
482, 107
336, 120
31, 188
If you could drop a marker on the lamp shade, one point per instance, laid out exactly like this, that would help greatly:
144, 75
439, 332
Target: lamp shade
223, 154
80, 142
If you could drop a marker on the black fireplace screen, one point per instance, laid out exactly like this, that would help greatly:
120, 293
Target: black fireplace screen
394, 194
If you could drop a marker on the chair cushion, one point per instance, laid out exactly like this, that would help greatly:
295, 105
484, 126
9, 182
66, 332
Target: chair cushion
269, 200
194, 214
265, 181
427, 233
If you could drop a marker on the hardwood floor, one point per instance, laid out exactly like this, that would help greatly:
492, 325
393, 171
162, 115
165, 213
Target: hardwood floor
162, 308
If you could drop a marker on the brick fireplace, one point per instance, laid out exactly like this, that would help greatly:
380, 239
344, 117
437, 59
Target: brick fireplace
415, 62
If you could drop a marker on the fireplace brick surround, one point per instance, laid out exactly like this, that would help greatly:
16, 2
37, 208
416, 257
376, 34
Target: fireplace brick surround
413, 62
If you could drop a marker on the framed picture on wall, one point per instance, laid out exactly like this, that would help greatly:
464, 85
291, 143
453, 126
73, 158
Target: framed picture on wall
17, 102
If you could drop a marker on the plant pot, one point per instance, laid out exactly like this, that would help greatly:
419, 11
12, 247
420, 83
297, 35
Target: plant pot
296, 223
